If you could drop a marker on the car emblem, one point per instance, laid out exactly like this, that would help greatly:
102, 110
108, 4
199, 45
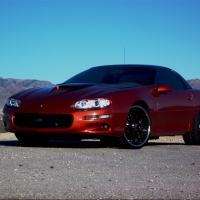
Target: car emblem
38, 120
41, 106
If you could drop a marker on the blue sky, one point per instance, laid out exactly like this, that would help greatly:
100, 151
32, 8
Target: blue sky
55, 39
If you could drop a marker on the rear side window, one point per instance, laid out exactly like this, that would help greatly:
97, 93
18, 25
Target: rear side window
185, 83
169, 77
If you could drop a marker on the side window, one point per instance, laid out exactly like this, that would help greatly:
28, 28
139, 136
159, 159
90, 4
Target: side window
169, 77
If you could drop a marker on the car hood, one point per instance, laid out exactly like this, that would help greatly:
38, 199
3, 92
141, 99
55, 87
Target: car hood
69, 91
60, 96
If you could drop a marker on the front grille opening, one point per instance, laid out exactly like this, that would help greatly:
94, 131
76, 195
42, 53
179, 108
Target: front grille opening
43, 120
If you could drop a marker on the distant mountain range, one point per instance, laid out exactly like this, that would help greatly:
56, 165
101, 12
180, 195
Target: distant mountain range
195, 83
11, 86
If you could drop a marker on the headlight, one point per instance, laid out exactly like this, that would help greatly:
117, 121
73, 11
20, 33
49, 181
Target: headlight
13, 102
92, 104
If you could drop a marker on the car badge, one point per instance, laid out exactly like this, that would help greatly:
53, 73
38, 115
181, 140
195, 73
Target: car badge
41, 106
38, 120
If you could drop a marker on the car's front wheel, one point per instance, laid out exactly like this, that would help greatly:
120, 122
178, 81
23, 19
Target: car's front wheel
30, 139
137, 128
194, 137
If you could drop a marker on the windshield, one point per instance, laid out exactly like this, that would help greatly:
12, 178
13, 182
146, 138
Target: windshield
115, 75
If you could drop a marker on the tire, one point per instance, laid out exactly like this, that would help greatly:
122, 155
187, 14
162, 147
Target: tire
194, 137
137, 128
30, 139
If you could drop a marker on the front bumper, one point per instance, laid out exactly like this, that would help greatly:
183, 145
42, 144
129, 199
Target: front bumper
112, 126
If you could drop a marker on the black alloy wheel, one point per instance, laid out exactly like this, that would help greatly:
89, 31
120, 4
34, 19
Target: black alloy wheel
137, 129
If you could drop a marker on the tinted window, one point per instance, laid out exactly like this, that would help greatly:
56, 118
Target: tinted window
185, 83
116, 75
169, 77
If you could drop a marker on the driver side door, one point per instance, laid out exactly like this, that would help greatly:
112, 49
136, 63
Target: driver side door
174, 109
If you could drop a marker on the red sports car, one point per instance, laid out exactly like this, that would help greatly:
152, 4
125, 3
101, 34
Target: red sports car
129, 104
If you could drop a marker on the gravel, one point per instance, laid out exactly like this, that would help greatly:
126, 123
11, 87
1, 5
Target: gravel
165, 169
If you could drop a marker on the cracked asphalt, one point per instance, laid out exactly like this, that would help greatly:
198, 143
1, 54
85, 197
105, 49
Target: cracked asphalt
87, 170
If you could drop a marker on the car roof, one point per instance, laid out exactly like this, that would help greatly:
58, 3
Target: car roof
132, 65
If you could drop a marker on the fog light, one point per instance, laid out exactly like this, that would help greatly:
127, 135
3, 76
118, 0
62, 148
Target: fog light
105, 126
92, 117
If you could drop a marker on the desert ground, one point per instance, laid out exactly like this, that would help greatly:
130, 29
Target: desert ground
162, 169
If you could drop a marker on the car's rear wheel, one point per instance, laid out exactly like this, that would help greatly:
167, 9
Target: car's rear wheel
30, 139
137, 129
194, 137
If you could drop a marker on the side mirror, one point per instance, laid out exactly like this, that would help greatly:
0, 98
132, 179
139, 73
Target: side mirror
164, 88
